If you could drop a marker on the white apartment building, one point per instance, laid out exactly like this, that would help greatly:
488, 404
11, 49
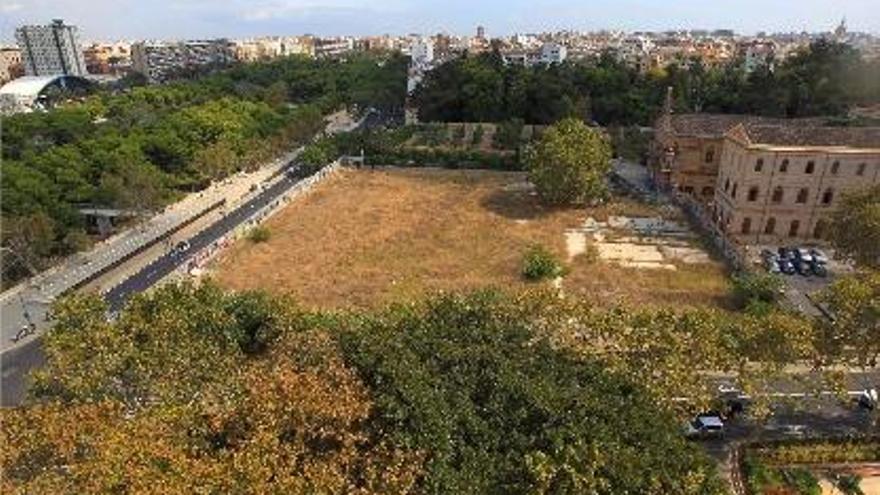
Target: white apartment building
51, 50
553, 53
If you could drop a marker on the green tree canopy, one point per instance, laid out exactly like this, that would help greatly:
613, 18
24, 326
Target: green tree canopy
855, 227
568, 164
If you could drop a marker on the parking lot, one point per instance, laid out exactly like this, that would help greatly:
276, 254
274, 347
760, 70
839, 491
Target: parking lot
803, 278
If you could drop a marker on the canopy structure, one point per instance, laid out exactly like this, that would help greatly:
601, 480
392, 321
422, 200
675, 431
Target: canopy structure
23, 94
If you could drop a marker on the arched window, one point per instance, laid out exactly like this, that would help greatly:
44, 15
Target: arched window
770, 227
783, 167
727, 185
861, 169
707, 191
802, 195
759, 165
835, 167
777, 195
733, 193
811, 166
710, 155
746, 225
753, 194
827, 196
793, 228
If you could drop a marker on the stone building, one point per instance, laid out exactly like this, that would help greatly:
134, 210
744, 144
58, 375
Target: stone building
686, 151
778, 183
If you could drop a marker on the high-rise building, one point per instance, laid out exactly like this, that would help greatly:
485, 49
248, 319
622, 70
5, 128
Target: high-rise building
51, 50
481, 32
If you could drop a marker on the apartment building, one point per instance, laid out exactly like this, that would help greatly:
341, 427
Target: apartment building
108, 58
781, 182
160, 61
51, 50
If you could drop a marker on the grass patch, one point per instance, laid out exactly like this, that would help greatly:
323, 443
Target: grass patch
259, 234
364, 239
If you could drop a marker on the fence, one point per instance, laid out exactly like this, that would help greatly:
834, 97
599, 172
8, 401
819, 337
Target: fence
203, 257
735, 254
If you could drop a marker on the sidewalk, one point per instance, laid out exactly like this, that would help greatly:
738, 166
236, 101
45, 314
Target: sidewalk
28, 302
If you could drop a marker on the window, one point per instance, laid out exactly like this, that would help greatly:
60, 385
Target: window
827, 197
793, 228
835, 167
770, 227
777, 195
746, 225
783, 167
733, 194
802, 195
710, 155
759, 165
707, 191
861, 169
811, 165
753, 194
727, 185
688, 189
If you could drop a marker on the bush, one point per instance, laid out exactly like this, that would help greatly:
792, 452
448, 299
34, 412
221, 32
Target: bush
259, 234
477, 136
539, 264
756, 289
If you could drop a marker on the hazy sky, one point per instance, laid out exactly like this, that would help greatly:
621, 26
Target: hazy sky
135, 19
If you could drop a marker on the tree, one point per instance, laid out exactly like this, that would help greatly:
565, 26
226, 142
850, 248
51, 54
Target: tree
854, 332
855, 227
569, 163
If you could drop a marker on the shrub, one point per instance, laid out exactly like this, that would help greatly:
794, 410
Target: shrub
539, 264
751, 289
477, 136
259, 234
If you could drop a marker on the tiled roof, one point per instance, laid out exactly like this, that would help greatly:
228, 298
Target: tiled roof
716, 125
796, 135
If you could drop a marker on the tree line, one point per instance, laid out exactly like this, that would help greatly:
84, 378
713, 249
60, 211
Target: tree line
145, 146
823, 79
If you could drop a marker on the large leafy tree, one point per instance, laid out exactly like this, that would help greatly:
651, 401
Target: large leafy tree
855, 227
569, 163
854, 333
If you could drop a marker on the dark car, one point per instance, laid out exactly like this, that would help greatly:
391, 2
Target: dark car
786, 266
819, 256
803, 268
818, 269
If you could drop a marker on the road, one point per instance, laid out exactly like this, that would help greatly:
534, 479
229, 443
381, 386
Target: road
18, 359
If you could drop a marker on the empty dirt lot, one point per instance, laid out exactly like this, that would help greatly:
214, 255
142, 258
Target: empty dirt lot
364, 238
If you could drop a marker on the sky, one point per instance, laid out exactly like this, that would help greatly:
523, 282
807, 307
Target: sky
162, 19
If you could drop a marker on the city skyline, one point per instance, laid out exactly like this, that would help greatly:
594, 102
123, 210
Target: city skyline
169, 19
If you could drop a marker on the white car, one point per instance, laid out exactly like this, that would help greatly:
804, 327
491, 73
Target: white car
704, 425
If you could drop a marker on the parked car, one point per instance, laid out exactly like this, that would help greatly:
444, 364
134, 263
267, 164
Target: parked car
786, 253
182, 247
772, 265
705, 425
802, 255
803, 268
868, 399
818, 269
819, 256
768, 254
786, 266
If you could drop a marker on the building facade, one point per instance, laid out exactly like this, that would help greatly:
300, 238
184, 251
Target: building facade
10, 64
685, 154
778, 183
108, 58
160, 61
51, 50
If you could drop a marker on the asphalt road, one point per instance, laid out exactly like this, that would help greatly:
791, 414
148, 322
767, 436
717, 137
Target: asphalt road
17, 362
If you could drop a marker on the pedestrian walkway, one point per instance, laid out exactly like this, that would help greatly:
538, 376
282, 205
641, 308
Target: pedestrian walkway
23, 308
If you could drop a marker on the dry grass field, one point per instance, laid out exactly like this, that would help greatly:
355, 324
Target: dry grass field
365, 238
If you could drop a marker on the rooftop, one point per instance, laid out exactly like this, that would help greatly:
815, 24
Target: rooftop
716, 125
